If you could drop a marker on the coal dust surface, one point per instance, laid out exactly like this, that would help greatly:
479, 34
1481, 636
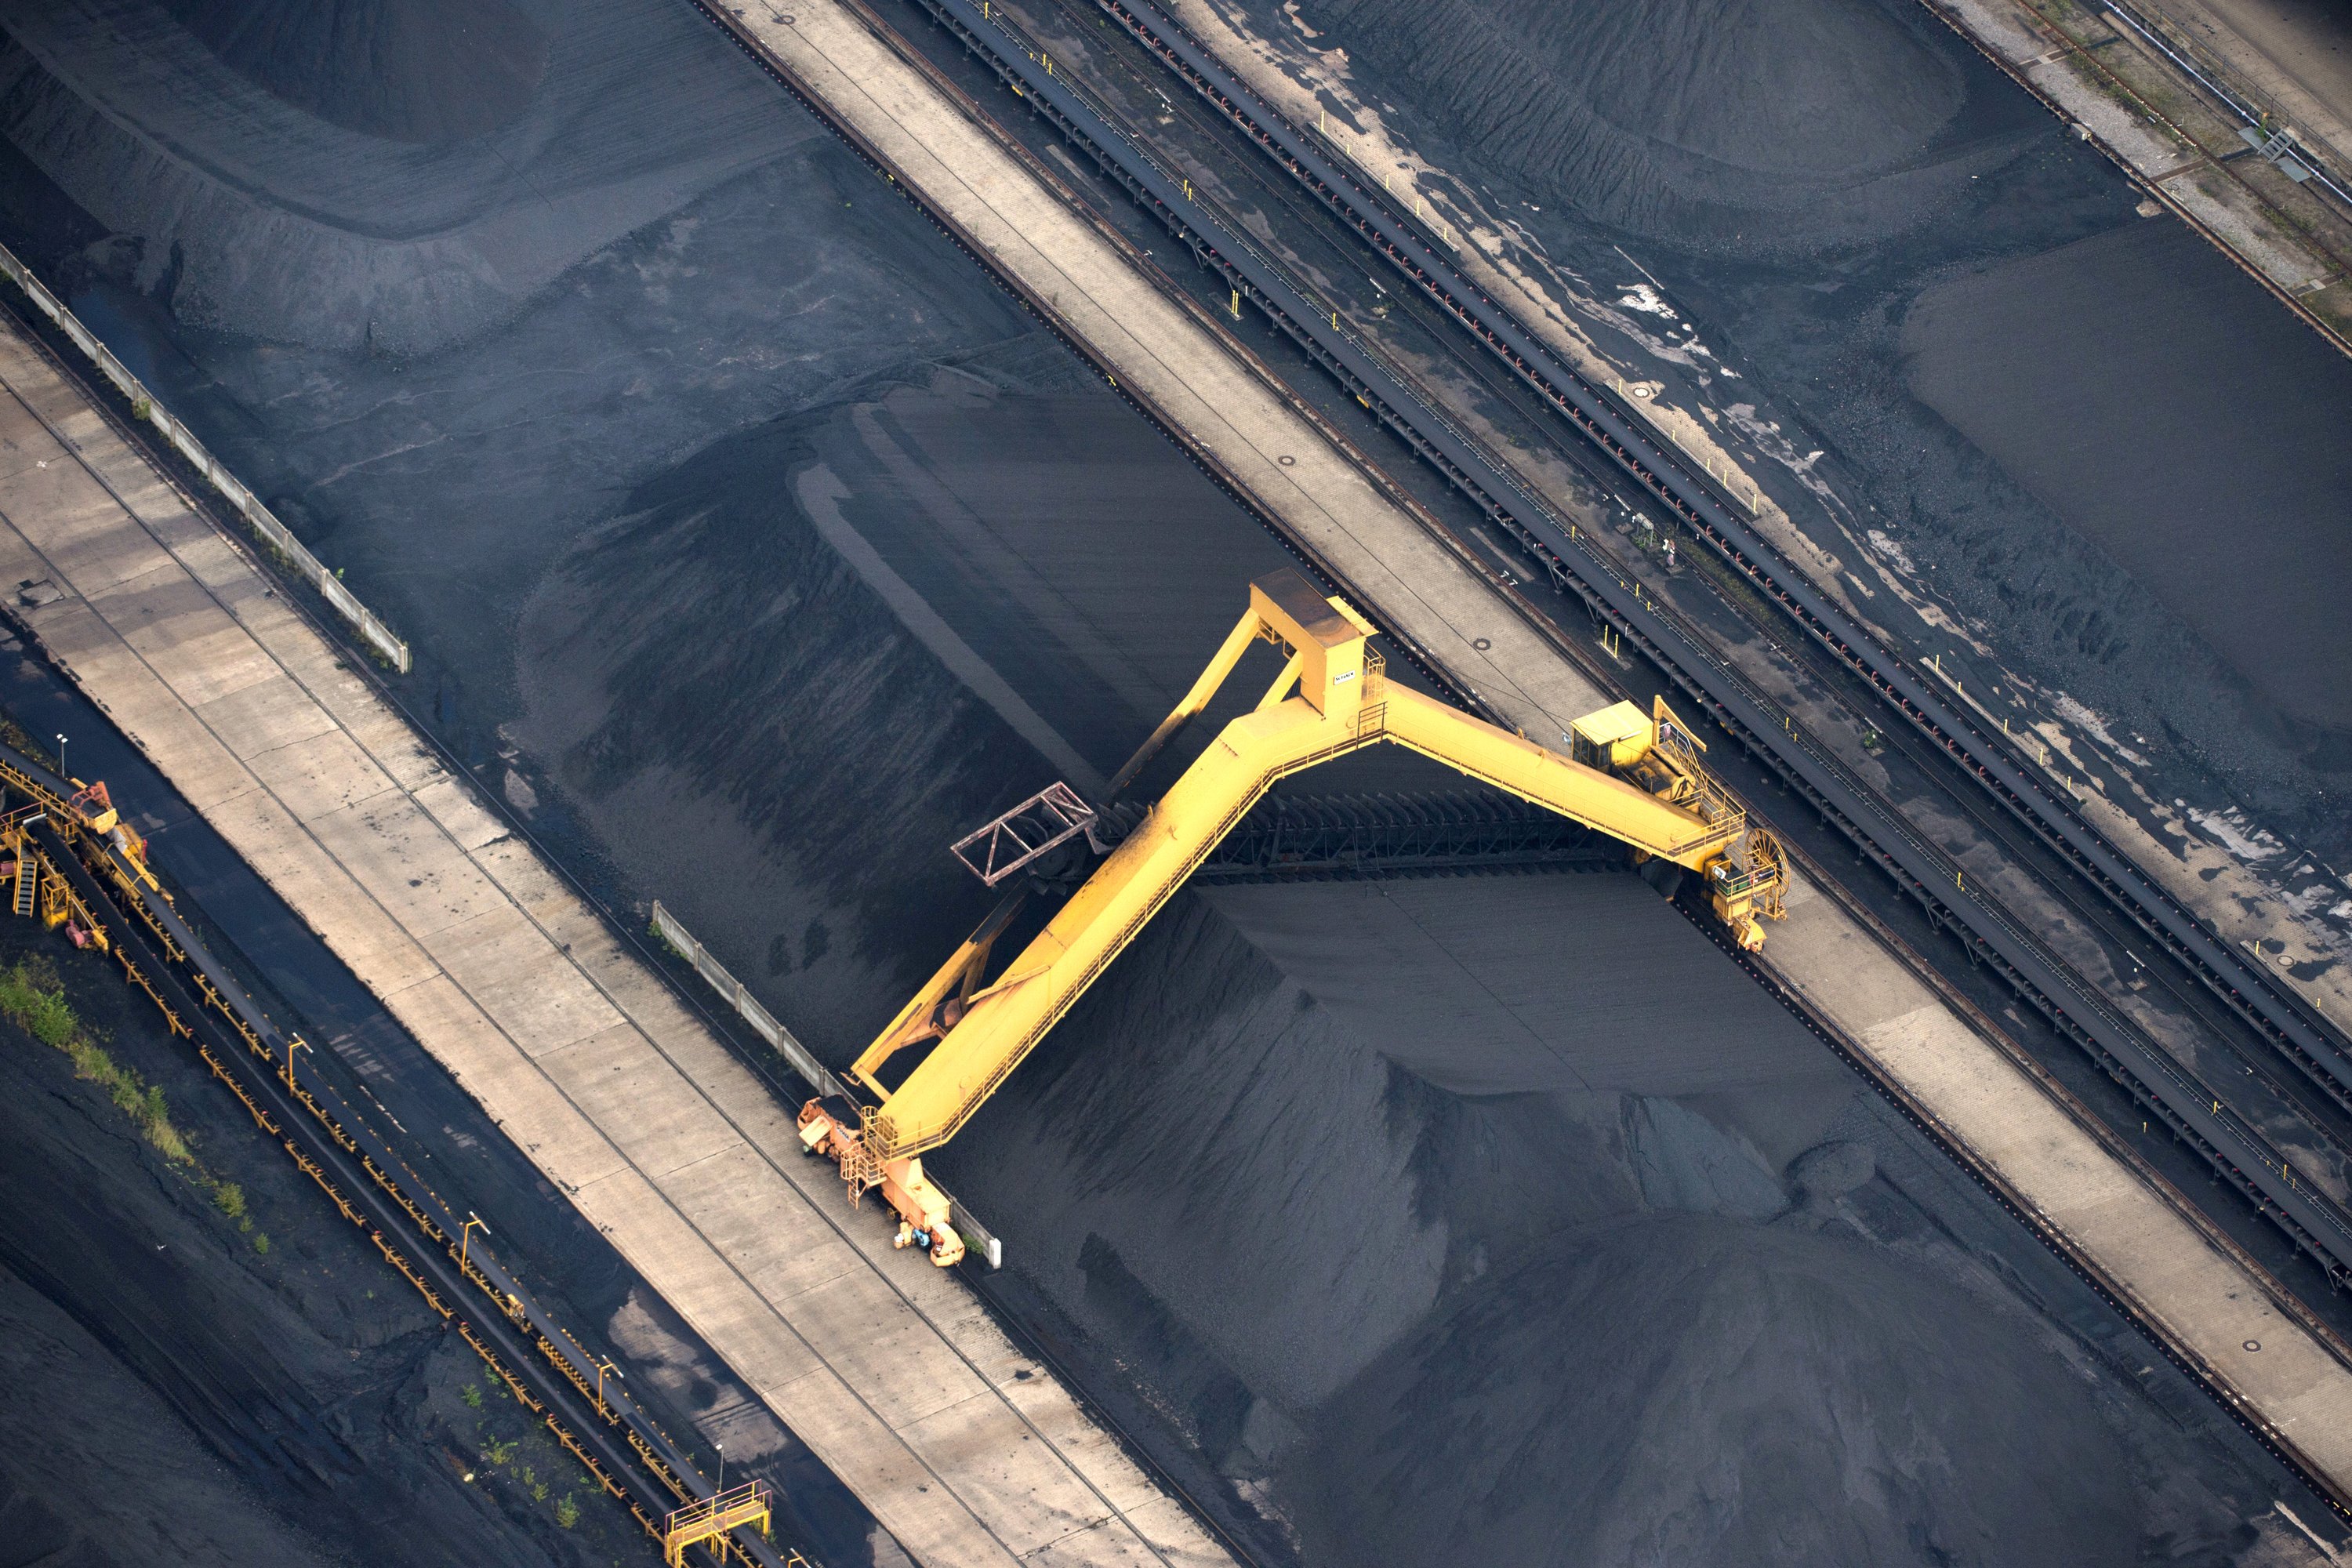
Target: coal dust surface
1791, 124
2042, 362
2068, 446
754, 548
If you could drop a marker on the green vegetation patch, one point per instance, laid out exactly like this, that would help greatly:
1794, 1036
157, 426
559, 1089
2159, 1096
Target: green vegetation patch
33, 998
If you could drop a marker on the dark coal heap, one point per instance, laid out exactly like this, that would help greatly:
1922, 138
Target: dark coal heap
755, 548
408, 70
391, 178
1805, 123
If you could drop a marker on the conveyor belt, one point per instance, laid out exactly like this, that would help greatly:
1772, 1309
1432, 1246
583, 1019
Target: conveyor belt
1288, 839
2236, 1149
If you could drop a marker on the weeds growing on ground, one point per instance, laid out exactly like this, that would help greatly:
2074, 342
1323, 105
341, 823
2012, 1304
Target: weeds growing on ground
517, 1458
33, 998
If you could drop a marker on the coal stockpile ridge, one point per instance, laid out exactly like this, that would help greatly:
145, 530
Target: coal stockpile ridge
333, 178
1797, 125
749, 708
1684, 1389
412, 70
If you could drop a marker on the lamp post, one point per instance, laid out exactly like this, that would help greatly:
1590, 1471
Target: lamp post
603, 1365
61, 761
722, 1462
466, 1238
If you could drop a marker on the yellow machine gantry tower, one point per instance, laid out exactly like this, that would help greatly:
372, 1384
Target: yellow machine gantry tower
1634, 776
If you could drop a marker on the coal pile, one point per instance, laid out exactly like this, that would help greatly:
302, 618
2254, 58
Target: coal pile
393, 178
1796, 125
421, 71
755, 548
1502, 1218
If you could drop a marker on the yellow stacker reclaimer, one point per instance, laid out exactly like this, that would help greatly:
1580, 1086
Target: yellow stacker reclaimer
1634, 776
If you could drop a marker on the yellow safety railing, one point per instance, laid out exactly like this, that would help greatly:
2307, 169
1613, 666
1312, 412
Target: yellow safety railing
1638, 779
714, 1517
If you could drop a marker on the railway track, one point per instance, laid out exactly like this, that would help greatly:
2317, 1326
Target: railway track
2235, 1148
2289, 1102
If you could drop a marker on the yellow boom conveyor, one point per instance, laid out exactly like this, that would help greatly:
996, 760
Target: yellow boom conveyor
1634, 776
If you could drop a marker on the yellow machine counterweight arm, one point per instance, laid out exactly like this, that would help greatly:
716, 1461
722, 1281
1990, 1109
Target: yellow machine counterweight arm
1635, 777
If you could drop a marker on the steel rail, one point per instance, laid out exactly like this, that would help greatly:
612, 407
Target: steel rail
2317, 1100
2254, 116
2232, 1144
1666, 475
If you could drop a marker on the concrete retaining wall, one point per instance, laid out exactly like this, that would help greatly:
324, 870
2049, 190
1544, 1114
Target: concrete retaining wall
274, 533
